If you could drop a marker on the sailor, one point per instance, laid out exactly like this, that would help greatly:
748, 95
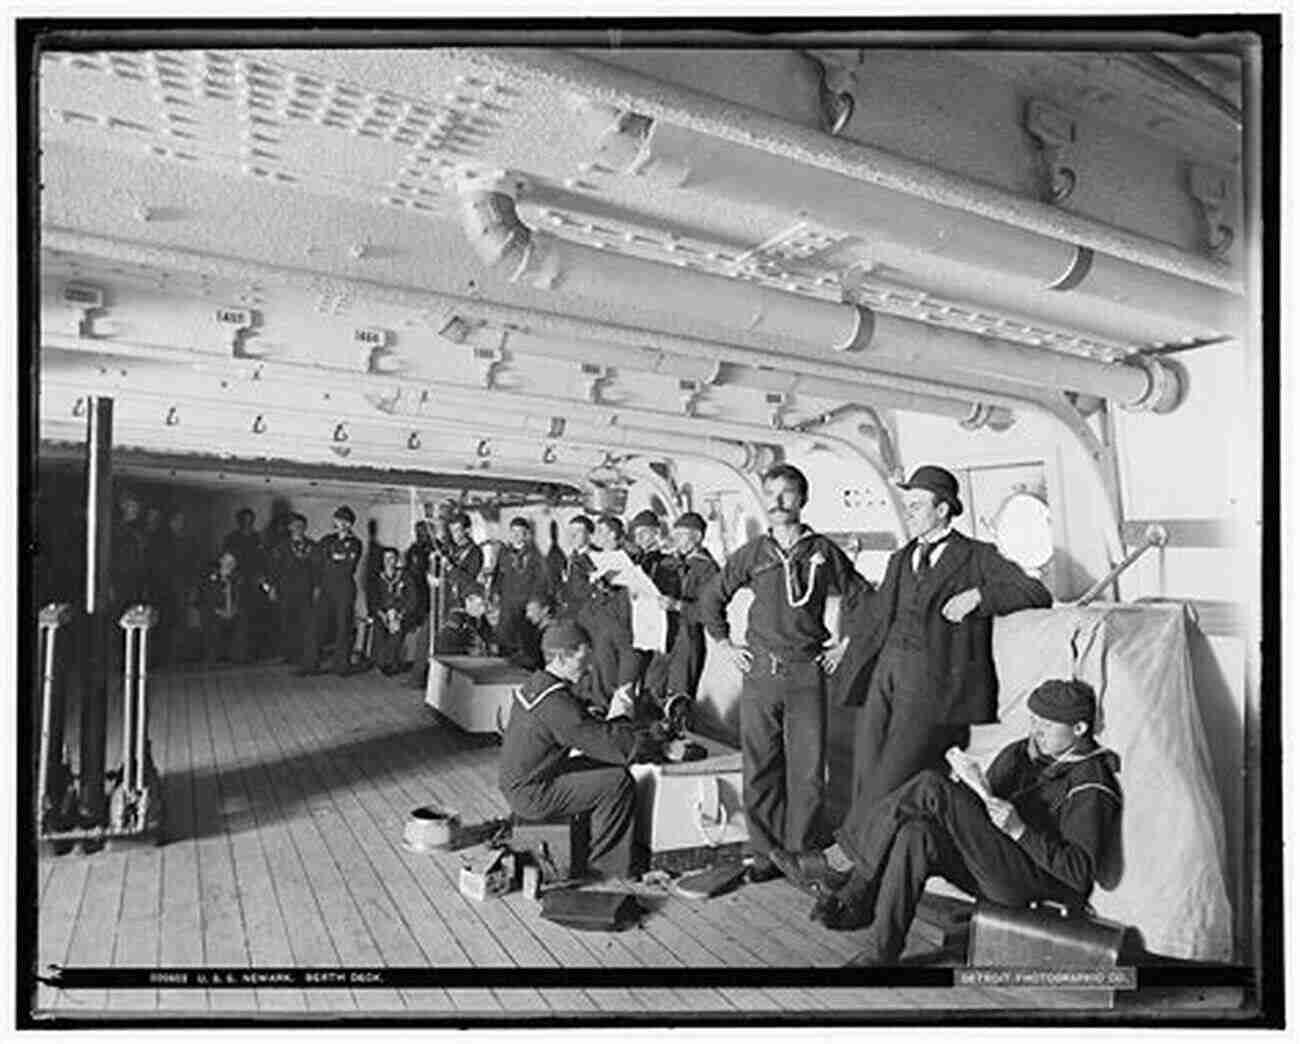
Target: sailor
394, 604
462, 560
615, 665
520, 574
466, 631
923, 664
788, 653
337, 554
575, 586
225, 612
673, 676
293, 570
1041, 825
539, 777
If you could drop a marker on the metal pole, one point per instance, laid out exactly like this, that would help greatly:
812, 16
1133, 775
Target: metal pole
99, 540
141, 711
128, 704
47, 710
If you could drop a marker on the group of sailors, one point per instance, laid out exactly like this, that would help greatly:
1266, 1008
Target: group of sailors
915, 656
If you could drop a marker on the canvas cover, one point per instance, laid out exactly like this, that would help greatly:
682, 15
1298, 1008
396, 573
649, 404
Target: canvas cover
1168, 877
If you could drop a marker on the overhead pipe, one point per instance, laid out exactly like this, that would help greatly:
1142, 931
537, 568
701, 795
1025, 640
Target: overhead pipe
679, 157
855, 376
707, 114
536, 258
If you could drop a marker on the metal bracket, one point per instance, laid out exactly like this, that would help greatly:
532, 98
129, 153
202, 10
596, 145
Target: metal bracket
593, 380
693, 394
1212, 191
836, 86
1056, 135
778, 403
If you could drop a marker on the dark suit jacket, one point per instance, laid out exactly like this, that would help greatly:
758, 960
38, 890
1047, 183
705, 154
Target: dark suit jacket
958, 657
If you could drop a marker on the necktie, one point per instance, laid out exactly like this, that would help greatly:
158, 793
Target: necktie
923, 566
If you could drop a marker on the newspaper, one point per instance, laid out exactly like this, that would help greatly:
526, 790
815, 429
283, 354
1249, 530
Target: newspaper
968, 771
649, 621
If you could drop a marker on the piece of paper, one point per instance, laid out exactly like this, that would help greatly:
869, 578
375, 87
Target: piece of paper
649, 623
968, 770
619, 569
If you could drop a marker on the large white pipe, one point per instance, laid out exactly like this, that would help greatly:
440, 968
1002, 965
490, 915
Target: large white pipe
539, 259
707, 114
682, 157
853, 374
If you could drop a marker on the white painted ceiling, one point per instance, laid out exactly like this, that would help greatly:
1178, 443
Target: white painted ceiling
340, 167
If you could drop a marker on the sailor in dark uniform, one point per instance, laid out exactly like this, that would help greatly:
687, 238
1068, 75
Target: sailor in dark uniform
293, 569
785, 663
462, 561
615, 665
394, 604
338, 555
520, 574
539, 777
674, 675
1041, 825
575, 585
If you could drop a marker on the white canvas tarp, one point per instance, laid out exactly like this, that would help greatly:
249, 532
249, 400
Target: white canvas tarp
1168, 878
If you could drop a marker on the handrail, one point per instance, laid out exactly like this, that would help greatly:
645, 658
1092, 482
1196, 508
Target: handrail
1155, 536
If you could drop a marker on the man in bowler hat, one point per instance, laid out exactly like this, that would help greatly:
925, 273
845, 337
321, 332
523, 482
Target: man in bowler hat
921, 661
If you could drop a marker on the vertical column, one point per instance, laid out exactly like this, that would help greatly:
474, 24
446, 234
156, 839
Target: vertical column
99, 631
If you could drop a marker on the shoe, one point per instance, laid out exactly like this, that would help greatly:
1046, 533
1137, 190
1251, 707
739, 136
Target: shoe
809, 872
852, 907
762, 869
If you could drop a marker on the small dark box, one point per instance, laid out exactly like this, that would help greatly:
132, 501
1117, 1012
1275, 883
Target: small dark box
557, 846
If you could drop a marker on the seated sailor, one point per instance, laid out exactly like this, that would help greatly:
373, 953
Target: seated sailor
541, 776
467, 630
1037, 828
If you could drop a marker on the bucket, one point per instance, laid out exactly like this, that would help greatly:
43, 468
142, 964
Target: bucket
428, 828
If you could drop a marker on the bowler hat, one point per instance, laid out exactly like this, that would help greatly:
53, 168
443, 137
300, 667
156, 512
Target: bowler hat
939, 481
346, 513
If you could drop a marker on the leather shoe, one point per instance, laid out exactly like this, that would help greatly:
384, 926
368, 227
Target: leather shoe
762, 869
852, 907
809, 872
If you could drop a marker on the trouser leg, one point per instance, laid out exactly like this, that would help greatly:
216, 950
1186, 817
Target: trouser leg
805, 755
762, 714
913, 856
608, 794
898, 732
344, 626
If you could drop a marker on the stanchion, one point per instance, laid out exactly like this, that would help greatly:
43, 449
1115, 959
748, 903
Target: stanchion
135, 807
52, 805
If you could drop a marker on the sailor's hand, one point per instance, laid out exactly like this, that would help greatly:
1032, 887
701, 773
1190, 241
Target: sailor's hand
621, 704
960, 606
832, 655
1005, 817
669, 605
737, 655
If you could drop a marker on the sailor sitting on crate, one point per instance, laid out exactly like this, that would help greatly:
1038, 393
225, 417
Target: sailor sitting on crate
542, 780
1037, 828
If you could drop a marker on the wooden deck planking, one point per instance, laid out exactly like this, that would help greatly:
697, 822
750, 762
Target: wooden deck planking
288, 799
515, 948
447, 906
180, 934
57, 921
408, 930
225, 935
308, 816
274, 808
268, 937
474, 792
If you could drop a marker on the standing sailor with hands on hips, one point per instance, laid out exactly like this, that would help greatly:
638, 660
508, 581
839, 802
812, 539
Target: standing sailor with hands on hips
785, 660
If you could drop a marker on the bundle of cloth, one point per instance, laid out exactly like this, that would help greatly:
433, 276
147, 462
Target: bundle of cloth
1168, 877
